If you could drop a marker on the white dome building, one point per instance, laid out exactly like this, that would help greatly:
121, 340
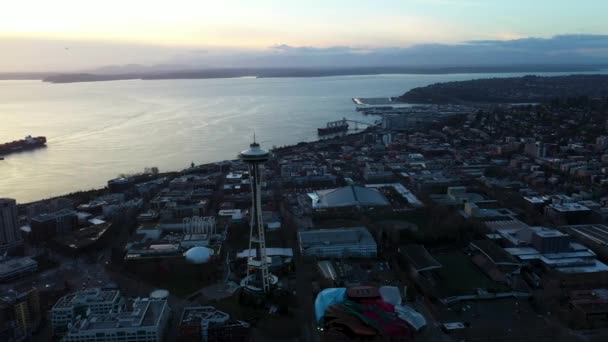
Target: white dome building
198, 255
159, 294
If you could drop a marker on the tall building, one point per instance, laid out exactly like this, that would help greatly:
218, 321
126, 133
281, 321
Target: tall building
91, 301
536, 149
9, 231
47, 226
20, 314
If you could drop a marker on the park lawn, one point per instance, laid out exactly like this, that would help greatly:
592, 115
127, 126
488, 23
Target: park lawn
459, 276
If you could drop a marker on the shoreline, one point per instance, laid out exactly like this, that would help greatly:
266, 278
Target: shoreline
295, 72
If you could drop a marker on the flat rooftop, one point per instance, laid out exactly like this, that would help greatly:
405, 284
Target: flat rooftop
568, 207
336, 236
145, 313
15, 264
53, 216
401, 190
194, 315
505, 224
84, 237
546, 232
537, 199
597, 233
94, 295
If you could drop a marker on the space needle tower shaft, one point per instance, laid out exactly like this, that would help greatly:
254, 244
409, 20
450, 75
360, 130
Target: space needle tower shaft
255, 157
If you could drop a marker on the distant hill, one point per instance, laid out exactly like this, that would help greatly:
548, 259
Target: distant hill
302, 72
25, 75
510, 90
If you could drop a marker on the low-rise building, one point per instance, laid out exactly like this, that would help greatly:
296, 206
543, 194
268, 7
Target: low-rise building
145, 321
206, 323
13, 268
79, 304
570, 213
338, 242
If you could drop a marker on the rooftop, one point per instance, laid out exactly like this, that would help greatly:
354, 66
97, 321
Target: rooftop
569, 207
145, 312
337, 236
88, 296
597, 233
84, 237
54, 215
350, 195
194, 315
12, 265
494, 252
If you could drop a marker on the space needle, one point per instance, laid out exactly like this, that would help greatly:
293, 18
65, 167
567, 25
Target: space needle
261, 279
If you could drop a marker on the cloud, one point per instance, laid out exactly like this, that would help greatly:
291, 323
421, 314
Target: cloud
334, 50
561, 49
23, 55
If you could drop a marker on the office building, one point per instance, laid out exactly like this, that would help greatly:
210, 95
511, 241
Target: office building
144, 321
47, 226
93, 301
12, 268
20, 314
9, 231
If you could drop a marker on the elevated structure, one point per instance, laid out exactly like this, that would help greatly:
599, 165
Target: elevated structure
261, 279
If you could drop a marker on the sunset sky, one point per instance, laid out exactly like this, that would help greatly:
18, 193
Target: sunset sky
152, 31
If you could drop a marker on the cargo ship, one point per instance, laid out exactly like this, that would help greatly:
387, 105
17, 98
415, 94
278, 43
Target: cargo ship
29, 143
334, 127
